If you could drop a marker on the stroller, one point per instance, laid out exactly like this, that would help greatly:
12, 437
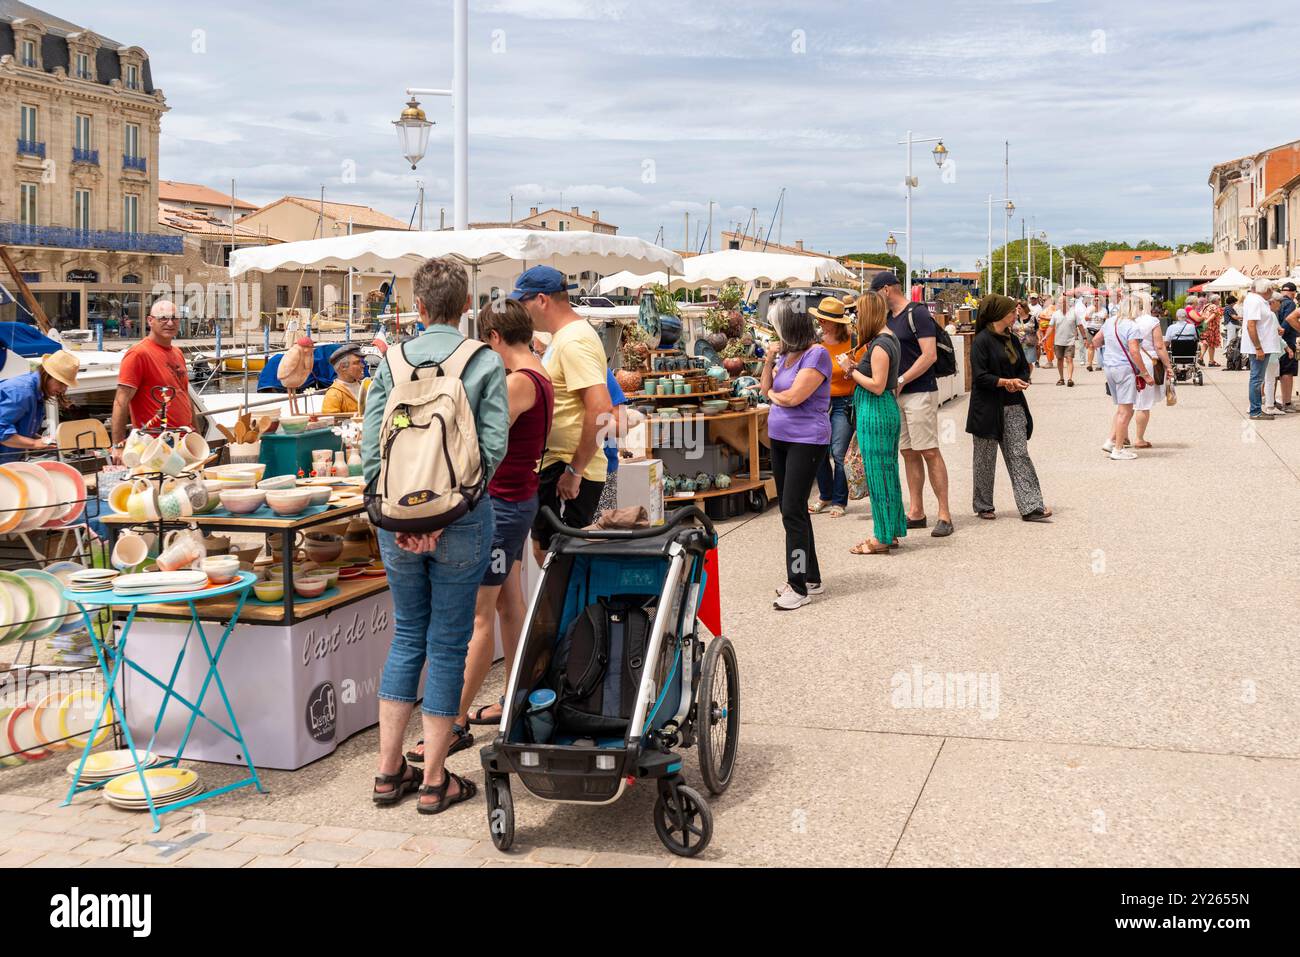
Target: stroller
613, 675
1233, 360
1183, 350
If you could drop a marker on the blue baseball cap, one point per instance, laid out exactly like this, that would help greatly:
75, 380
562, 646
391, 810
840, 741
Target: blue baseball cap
539, 280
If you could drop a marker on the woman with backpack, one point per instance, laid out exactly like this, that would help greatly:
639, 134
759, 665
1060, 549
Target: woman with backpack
437, 560
508, 329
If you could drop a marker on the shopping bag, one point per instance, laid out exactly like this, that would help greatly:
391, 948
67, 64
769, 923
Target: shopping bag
1171, 395
854, 471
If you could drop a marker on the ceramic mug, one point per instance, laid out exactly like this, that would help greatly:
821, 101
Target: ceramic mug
136, 443
131, 550
193, 448
174, 501
181, 549
119, 497
197, 492
142, 505
157, 452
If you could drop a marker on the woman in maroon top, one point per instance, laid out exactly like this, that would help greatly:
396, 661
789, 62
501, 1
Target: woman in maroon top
506, 326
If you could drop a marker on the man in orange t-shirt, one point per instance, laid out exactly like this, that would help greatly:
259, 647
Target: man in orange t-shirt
154, 361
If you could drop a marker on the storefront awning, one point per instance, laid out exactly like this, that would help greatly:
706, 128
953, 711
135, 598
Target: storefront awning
1270, 263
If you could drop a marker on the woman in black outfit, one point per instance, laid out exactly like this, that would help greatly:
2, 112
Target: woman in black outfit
998, 414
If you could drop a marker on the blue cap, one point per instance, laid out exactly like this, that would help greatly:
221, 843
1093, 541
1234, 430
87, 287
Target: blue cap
538, 280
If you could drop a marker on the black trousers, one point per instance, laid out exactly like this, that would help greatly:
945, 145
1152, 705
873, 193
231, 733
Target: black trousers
794, 466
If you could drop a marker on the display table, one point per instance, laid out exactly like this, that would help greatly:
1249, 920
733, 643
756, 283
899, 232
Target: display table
205, 673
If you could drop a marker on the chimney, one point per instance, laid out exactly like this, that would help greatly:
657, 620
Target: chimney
574, 210
532, 211
595, 214
798, 244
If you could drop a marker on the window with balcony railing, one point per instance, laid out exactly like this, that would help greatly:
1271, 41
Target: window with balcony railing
138, 163
85, 156
28, 55
31, 148
65, 237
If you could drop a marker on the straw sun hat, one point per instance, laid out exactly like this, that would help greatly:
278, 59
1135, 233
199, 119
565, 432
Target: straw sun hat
62, 365
830, 309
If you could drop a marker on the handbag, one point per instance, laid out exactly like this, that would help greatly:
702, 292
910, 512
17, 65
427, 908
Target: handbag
1171, 395
1141, 379
854, 471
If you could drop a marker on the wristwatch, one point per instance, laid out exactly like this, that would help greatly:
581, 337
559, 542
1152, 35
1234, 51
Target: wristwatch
571, 470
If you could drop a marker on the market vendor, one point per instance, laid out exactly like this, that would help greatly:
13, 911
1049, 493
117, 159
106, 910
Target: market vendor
152, 362
344, 394
22, 403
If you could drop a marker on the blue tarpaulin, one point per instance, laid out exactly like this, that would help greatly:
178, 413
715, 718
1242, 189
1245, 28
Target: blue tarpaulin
322, 373
25, 340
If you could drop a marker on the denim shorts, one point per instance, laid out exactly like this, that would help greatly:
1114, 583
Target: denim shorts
511, 524
434, 595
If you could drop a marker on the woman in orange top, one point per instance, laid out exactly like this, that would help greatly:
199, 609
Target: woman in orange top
832, 480
1047, 333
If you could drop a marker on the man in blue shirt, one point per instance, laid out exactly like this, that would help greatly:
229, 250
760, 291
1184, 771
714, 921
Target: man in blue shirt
1288, 366
22, 403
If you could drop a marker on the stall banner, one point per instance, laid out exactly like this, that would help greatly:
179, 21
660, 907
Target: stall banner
298, 692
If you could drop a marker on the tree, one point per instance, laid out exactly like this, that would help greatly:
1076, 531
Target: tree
1014, 259
880, 259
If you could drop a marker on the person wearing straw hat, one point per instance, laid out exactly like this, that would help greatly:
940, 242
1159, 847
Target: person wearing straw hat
22, 403
832, 480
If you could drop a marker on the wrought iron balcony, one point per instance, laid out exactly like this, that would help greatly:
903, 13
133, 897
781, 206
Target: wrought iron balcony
85, 156
64, 237
30, 148
138, 163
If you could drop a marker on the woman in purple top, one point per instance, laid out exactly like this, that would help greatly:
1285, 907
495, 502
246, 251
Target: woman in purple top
797, 381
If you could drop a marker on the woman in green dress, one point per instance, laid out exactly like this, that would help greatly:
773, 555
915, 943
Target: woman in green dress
876, 377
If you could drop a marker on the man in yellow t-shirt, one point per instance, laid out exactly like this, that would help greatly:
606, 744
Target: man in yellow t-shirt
573, 464
344, 394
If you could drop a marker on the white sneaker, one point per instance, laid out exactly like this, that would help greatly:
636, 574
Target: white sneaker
1121, 455
1108, 447
816, 589
790, 599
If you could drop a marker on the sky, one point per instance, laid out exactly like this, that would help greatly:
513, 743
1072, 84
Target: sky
1115, 112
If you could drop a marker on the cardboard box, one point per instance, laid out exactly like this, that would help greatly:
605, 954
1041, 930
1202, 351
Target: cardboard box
641, 482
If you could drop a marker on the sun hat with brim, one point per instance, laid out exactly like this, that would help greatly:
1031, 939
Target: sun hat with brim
830, 309
62, 365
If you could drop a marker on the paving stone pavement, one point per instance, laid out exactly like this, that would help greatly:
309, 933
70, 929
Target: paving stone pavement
1132, 690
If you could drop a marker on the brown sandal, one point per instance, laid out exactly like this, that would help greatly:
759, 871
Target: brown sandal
401, 785
467, 790
866, 548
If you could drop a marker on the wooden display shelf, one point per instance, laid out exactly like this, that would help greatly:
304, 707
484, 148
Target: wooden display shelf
235, 523
220, 609
744, 485
719, 417
684, 397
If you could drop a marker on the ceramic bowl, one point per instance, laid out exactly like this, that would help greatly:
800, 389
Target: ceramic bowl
331, 575
221, 569
244, 475
269, 590
310, 586
241, 501
293, 424
324, 548
288, 501
277, 482
320, 494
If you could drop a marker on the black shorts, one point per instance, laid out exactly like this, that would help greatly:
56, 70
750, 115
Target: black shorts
1287, 366
575, 512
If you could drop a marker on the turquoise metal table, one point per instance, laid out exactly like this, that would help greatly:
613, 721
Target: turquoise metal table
111, 662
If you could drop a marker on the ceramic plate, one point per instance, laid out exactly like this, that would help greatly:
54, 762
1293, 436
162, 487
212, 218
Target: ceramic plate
40, 495
13, 497
51, 606
110, 764
161, 781
64, 571
24, 602
6, 614
77, 716
69, 487
46, 722
147, 581
20, 730
158, 802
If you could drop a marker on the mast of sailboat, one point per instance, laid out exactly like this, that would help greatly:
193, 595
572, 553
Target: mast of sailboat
234, 299
779, 211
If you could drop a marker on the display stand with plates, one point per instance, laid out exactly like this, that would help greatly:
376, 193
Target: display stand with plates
163, 786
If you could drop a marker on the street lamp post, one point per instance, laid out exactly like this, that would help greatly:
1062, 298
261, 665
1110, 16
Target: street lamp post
940, 154
413, 126
1011, 207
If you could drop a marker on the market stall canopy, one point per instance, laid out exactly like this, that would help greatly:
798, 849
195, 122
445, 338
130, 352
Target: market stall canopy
714, 269
497, 254
1231, 279
629, 280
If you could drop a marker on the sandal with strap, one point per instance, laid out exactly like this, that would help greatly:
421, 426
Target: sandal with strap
401, 785
461, 740
467, 790
476, 716
818, 507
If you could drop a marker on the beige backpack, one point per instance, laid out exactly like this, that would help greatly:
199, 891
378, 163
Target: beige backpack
429, 468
